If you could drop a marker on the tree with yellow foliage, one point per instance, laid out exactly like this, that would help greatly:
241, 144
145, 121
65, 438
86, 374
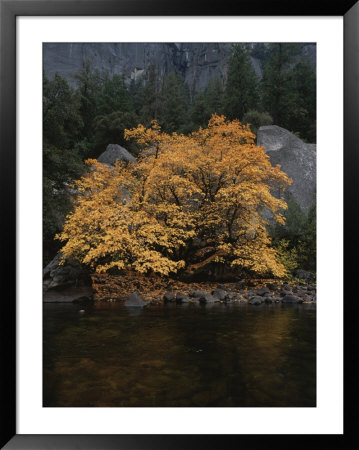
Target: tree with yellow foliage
187, 201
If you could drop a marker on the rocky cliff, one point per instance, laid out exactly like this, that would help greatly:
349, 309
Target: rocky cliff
197, 62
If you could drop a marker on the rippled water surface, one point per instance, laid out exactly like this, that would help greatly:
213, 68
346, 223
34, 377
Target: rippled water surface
240, 355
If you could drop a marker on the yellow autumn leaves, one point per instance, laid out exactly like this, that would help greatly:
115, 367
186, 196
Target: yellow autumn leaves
209, 189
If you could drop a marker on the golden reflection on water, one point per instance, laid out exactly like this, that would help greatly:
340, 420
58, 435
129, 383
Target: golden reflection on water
179, 356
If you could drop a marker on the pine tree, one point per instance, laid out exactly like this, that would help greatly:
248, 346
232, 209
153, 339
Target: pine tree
136, 92
289, 91
276, 87
214, 96
62, 123
175, 100
114, 96
109, 128
150, 97
116, 113
199, 111
302, 116
89, 84
241, 93
62, 127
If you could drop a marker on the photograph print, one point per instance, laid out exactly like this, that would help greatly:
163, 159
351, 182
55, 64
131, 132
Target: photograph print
179, 224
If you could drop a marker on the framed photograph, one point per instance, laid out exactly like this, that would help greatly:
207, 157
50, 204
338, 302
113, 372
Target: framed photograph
174, 195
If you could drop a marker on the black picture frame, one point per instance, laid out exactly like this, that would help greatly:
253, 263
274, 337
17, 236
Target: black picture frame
9, 10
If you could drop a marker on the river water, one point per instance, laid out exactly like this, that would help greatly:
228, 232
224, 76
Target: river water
238, 355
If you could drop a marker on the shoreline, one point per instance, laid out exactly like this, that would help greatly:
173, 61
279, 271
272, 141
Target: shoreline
143, 291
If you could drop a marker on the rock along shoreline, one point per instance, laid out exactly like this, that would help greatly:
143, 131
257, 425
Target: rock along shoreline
71, 284
141, 294
270, 293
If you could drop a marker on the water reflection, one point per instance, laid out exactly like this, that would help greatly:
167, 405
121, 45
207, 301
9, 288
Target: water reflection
185, 355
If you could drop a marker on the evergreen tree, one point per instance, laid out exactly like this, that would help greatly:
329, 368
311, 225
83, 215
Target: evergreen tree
295, 219
89, 87
151, 97
114, 96
116, 112
276, 86
110, 128
289, 91
297, 238
302, 117
62, 127
214, 97
308, 243
199, 112
260, 51
136, 93
62, 123
175, 99
60, 167
241, 93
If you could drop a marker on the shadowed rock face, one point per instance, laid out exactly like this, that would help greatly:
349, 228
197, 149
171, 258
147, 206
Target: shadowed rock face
296, 158
196, 62
113, 153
